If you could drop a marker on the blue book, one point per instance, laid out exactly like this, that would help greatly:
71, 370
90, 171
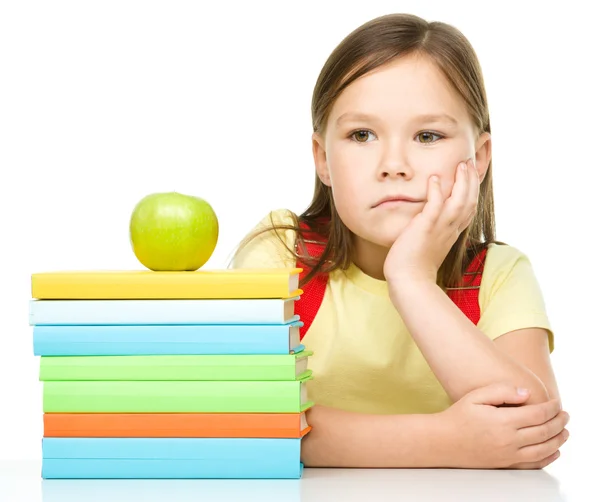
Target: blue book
125, 340
205, 311
167, 458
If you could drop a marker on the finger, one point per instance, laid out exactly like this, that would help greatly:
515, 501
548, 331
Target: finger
475, 186
435, 200
473, 195
497, 394
541, 433
537, 452
536, 465
533, 414
456, 206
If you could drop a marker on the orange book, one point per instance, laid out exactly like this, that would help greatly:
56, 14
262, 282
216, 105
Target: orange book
182, 425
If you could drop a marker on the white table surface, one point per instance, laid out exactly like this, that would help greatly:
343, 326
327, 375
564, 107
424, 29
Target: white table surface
20, 481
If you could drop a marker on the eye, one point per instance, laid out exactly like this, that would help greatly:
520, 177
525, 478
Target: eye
428, 137
360, 136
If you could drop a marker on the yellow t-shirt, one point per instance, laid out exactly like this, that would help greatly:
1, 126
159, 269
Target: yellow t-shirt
365, 360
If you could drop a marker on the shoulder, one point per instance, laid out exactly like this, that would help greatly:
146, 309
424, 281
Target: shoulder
507, 268
501, 261
269, 243
510, 296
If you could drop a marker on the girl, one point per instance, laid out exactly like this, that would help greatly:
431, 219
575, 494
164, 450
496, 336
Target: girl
408, 372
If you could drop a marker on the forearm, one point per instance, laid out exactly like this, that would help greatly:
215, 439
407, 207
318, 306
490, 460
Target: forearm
344, 439
460, 355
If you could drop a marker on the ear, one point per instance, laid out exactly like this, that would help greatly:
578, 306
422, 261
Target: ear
483, 154
320, 156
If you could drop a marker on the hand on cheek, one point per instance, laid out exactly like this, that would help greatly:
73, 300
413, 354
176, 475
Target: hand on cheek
421, 248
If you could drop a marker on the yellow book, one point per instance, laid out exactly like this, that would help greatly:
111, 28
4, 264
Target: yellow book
147, 284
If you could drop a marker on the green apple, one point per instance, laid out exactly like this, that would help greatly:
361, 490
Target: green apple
173, 231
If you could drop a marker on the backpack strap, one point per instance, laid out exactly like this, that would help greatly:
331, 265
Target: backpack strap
314, 290
467, 300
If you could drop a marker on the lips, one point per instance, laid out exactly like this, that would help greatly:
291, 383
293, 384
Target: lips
396, 199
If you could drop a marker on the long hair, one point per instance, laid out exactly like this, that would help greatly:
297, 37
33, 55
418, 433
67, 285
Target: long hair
371, 45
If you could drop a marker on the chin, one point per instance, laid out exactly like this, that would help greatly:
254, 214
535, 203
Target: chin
383, 235
381, 229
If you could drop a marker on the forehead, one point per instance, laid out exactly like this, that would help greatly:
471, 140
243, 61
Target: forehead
408, 86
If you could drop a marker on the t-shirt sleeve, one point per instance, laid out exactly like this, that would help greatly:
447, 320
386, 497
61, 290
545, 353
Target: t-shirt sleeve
510, 297
268, 249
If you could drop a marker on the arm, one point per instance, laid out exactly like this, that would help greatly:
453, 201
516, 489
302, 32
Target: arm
529, 347
460, 355
476, 432
345, 439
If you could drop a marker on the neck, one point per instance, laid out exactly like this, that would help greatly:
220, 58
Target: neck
369, 257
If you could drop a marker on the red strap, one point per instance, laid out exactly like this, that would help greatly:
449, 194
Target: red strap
314, 290
310, 301
467, 300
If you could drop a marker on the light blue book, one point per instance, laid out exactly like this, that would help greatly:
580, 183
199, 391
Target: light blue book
196, 339
116, 312
231, 458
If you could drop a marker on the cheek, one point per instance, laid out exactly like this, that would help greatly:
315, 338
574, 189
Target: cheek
347, 181
446, 168
447, 184
442, 170
349, 197
347, 193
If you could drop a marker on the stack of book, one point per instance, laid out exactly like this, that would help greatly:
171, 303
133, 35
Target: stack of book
170, 374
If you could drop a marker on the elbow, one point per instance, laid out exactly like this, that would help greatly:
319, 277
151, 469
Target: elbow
538, 393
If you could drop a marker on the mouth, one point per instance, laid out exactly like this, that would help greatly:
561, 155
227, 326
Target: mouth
397, 201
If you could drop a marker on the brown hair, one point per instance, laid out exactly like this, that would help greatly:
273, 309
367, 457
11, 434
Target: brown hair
371, 45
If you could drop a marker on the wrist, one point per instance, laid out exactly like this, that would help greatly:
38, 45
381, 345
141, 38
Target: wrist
433, 440
409, 285
447, 440
411, 276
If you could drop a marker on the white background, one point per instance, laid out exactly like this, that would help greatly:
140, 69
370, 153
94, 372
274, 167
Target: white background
104, 102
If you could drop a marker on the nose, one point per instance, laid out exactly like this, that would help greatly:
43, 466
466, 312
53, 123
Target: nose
395, 172
394, 161
394, 167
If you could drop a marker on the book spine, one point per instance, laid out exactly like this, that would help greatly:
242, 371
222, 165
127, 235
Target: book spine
177, 285
89, 468
207, 368
239, 425
161, 339
172, 397
170, 458
142, 312
151, 448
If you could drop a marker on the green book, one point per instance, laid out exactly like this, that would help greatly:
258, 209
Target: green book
175, 397
180, 367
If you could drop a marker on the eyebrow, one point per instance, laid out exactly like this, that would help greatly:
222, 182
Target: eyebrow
429, 117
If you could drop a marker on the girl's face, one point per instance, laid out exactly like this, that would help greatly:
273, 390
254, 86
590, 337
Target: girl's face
387, 134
